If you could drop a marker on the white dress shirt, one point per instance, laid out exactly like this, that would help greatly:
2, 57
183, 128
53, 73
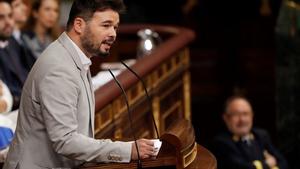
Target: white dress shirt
85, 60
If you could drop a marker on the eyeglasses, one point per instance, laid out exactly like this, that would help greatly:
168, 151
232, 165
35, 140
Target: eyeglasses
238, 114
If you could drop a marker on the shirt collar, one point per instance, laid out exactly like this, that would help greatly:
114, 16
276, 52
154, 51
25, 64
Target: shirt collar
83, 58
237, 138
17, 35
3, 44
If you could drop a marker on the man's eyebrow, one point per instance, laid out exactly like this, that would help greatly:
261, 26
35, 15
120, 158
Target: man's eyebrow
107, 21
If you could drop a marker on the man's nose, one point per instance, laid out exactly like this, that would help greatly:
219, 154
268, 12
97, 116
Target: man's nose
9, 21
113, 32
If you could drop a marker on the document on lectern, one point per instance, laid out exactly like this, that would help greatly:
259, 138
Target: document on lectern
157, 145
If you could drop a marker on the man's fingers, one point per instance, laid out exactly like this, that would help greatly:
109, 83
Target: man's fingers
145, 156
148, 142
146, 149
151, 150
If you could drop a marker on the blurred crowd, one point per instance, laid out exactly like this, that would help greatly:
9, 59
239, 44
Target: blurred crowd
26, 29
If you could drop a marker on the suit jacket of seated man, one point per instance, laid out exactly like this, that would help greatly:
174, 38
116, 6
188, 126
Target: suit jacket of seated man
15, 63
56, 116
232, 153
23, 48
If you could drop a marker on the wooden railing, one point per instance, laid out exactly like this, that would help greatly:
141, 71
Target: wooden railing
166, 74
167, 78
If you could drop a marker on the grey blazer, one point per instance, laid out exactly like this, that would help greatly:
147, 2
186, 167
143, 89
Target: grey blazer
56, 118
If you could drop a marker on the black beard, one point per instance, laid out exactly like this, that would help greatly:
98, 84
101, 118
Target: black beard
101, 54
3, 38
92, 48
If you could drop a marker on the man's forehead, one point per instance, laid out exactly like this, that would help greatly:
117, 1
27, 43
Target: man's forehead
240, 104
106, 16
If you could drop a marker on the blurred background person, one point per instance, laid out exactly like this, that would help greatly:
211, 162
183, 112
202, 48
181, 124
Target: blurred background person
42, 27
20, 16
14, 62
10, 68
241, 146
11, 62
7, 125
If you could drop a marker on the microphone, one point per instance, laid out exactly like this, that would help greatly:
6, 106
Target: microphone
139, 164
147, 95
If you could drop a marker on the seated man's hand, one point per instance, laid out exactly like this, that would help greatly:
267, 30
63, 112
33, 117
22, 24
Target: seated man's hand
3, 105
146, 149
270, 160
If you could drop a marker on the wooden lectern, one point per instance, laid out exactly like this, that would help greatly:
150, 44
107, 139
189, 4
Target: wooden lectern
178, 150
166, 74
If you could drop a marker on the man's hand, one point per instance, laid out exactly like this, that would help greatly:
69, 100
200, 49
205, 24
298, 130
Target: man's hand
270, 160
3, 105
146, 149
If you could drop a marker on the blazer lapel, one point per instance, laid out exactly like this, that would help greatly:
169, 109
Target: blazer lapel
85, 75
64, 40
93, 100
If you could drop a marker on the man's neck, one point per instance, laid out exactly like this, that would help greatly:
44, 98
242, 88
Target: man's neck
76, 40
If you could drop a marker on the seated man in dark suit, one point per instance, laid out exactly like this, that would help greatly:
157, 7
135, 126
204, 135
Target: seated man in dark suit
15, 59
241, 146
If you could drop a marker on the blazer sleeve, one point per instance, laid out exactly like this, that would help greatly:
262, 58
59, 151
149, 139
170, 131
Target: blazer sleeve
58, 92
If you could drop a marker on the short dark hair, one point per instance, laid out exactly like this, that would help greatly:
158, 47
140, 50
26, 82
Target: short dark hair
233, 98
86, 8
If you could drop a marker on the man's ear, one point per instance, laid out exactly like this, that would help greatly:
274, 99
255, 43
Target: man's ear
79, 25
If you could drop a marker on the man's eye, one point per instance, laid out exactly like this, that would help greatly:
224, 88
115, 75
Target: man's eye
106, 26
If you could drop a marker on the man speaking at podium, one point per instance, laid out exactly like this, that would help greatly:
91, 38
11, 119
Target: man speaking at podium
56, 118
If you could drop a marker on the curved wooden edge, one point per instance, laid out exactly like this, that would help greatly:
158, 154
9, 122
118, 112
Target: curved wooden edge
180, 134
204, 159
181, 38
